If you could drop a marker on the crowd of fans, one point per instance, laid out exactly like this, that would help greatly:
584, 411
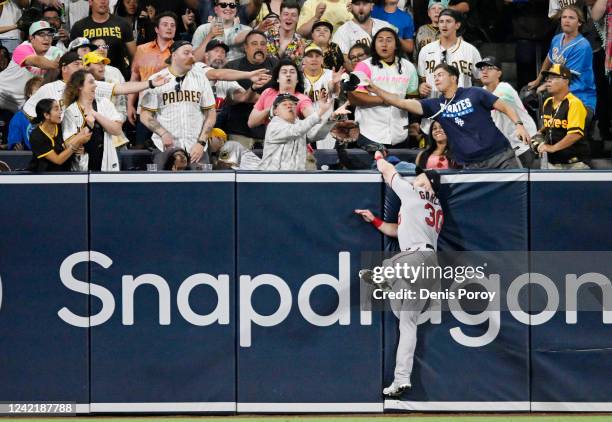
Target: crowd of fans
213, 81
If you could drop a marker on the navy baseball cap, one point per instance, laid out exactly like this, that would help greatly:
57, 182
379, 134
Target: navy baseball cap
489, 61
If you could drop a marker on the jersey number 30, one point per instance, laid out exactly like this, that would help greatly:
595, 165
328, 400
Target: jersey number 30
435, 218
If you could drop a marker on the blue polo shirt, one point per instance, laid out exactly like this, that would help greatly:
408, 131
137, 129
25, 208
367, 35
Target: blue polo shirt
577, 56
472, 135
400, 19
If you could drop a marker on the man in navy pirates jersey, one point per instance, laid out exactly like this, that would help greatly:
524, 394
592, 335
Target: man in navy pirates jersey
182, 112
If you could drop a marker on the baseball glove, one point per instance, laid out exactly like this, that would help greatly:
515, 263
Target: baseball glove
536, 141
345, 131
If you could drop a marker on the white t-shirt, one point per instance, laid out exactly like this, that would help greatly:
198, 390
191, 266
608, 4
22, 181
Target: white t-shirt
11, 13
55, 90
383, 124
74, 120
350, 33
14, 78
509, 95
228, 38
180, 112
420, 218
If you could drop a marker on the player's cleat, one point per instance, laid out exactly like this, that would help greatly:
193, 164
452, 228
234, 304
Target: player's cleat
367, 276
395, 389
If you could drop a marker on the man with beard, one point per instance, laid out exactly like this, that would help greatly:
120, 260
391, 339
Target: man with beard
226, 91
359, 29
182, 112
256, 58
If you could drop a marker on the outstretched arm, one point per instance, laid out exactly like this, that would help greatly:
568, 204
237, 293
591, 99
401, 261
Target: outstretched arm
135, 87
412, 106
388, 229
503, 107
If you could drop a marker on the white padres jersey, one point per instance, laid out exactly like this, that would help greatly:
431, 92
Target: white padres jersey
178, 105
55, 90
462, 55
421, 217
351, 33
315, 87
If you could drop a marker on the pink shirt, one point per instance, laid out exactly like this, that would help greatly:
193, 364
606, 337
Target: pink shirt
437, 162
266, 99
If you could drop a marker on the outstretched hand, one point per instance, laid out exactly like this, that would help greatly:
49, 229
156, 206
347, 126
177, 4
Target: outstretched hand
367, 215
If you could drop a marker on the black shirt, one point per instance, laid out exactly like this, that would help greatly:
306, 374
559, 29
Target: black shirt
239, 113
115, 31
42, 144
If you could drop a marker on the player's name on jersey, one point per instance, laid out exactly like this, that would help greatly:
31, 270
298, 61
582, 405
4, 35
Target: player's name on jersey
422, 294
180, 96
430, 197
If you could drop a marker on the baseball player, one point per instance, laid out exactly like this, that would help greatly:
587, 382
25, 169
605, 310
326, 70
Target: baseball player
182, 112
419, 222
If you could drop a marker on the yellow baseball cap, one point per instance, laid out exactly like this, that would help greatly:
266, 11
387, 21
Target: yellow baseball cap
93, 57
218, 133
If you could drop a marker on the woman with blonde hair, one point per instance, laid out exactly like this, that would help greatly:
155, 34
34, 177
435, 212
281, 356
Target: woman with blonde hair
83, 109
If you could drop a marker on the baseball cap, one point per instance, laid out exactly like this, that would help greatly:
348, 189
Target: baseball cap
69, 57
443, 3
489, 61
284, 97
363, 1
93, 57
40, 26
458, 17
328, 25
81, 42
218, 133
175, 46
559, 70
214, 43
313, 47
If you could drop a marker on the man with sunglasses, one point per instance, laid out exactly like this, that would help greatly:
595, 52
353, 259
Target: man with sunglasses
31, 58
224, 26
182, 112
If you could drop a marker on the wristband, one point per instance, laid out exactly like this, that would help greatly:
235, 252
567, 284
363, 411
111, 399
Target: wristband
151, 84
377, 222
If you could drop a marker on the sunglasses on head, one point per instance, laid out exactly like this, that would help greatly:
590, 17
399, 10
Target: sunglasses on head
179, 81
224, 5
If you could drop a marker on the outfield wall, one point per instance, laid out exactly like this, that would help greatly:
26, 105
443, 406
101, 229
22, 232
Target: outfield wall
238, 292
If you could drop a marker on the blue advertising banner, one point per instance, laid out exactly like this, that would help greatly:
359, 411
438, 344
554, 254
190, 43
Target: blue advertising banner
570, 340
163, 261
482, 212
44, 221
304, 344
